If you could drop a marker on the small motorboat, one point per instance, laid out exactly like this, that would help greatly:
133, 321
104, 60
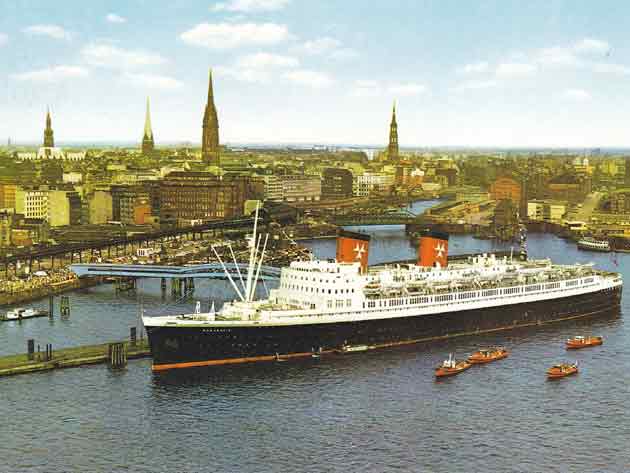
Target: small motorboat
561, 370
583, 342
451, 367
345, 348
21, 313
486, 355
316, 354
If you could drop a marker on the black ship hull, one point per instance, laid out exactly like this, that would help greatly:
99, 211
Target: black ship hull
179, 347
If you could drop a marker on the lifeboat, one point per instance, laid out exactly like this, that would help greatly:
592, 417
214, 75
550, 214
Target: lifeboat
583, 342
451, 367
562, 370
486, 355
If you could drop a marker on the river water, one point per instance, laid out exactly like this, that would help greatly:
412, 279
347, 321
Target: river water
379, 411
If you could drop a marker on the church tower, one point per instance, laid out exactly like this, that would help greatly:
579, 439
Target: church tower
49, 139
392, 148
210, 137
147, 139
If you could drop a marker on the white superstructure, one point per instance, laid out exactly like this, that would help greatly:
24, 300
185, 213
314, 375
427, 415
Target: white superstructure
327, 291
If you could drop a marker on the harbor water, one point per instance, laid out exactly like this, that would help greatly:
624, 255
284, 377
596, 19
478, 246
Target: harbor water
378, 411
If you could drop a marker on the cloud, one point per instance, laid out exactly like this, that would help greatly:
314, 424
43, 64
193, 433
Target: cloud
4, 39
325, 46
578, 95
322, 45
250, 6
113, 18
263, 60
474, 68
476, 85
406, 90
253, 75
151, 81
592, 46
106, 55
234, 35
314, 79
366, 88
52, 31
610, 68
53, 74
510, 70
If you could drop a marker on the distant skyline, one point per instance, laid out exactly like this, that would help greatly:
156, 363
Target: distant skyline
465, 74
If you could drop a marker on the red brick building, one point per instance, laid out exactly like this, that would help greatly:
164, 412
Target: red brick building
506, 188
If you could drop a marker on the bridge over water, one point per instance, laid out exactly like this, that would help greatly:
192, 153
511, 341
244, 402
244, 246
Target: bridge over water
211, 270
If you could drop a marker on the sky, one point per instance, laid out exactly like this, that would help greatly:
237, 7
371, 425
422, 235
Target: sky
502, 73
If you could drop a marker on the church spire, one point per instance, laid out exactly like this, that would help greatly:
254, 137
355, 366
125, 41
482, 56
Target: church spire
147, 138
210, 126
392, 148
49, 138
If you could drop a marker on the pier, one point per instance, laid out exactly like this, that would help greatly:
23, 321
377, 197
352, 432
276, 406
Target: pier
112, 353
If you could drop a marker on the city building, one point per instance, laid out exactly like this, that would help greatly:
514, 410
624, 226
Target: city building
293, 188
620, 201
369, 183
187, 196
336, 183
100, 206
6, 224
569, 187
125, 200
64, 208
7, 196
506, 188
32, 202
392, 147
210, 135
147, 138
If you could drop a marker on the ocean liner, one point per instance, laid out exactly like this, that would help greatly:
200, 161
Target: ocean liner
334, 305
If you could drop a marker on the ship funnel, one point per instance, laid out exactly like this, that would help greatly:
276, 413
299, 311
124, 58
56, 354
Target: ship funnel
353, 248
433, 249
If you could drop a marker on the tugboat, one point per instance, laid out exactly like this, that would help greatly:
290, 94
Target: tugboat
583, 342
451, 367
562, 370
486, 355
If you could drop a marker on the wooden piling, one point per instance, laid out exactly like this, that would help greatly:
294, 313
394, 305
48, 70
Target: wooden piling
31, 349
117, 355
64, 307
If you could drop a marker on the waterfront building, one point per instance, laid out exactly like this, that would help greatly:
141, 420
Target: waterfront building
372, 183
147, 138
392, 147
189, 196
620, 201
569, 187
336, 183
546, 210
210, 135
293, 188
627, 172
506, 188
